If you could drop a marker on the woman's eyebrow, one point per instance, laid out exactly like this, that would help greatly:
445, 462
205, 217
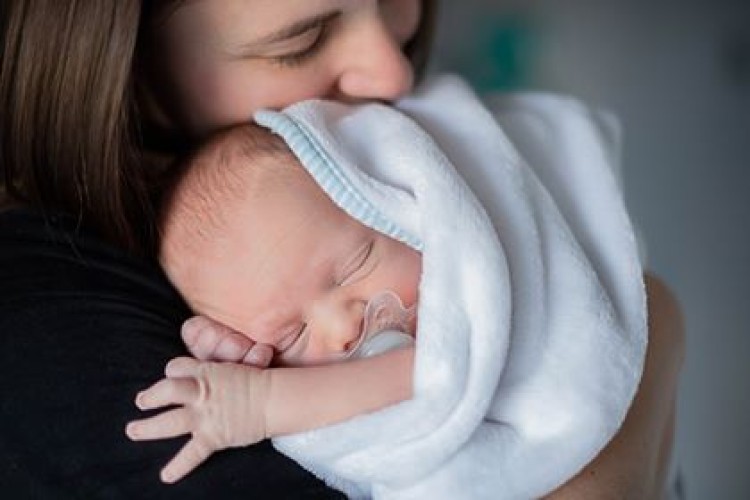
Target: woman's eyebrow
295, 29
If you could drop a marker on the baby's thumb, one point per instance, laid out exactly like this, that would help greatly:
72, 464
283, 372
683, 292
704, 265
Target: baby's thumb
191, 329
259, 355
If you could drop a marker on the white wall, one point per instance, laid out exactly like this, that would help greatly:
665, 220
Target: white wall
678, 75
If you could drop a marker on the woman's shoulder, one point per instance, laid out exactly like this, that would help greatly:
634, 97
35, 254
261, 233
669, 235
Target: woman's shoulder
54, 256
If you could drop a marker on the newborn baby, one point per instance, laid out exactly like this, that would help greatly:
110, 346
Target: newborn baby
250, 240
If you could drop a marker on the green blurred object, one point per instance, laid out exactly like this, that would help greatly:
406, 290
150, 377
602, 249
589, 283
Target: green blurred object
497, 54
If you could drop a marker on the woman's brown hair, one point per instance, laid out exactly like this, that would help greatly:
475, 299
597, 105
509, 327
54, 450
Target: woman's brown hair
70, 134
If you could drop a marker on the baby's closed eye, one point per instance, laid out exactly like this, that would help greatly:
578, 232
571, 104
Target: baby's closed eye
357, 267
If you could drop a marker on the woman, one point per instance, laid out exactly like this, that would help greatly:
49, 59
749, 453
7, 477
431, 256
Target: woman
97, 96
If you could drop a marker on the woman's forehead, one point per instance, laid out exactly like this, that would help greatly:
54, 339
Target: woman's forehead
236, 20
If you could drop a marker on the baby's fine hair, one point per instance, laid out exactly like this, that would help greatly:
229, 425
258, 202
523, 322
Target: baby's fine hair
231, 166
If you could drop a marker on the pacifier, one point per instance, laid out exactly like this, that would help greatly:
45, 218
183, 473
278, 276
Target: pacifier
387, 325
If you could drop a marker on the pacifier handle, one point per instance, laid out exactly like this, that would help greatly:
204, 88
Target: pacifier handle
386, 325
384, 341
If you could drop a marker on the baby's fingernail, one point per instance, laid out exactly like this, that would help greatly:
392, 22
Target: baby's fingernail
189, 332
259, 355
170, 368
167, 476
139, 400
131, 430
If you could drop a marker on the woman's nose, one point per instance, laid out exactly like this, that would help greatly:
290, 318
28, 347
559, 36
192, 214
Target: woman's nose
375, 66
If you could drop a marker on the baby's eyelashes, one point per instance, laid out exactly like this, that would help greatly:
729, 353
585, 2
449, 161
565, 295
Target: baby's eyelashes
353, 265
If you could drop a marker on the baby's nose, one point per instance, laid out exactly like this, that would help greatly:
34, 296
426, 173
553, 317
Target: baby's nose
340, 326
347, 331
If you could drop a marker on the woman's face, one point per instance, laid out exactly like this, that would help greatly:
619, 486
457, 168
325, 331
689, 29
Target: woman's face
220, 60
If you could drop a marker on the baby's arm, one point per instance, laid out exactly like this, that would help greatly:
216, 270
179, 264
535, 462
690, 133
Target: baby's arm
226, 405
305, 398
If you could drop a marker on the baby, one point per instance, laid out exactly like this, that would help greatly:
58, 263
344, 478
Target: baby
532, 321
251, 241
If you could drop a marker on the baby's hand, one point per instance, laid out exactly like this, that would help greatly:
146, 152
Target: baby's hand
209, 340
221, 404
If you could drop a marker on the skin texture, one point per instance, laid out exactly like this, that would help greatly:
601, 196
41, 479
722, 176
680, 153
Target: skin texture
633, 464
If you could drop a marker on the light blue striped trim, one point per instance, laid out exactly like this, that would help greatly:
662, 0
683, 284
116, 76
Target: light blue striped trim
331, 178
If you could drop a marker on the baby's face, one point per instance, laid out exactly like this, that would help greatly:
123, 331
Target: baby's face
296, 272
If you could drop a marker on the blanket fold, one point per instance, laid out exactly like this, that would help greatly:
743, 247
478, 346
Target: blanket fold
532, 323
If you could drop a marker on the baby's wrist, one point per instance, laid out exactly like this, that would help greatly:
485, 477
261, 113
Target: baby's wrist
240, 406
261, 400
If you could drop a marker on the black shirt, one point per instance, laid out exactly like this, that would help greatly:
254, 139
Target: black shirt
83, 328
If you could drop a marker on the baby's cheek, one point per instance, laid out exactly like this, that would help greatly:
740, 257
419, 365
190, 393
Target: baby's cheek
408, 276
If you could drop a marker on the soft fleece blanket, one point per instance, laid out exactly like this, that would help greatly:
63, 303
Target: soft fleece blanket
532, 324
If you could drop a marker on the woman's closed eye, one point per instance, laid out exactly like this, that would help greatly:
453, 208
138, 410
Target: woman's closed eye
290, 45
313, 41
304, 44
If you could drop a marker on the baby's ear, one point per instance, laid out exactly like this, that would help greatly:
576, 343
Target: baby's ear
209, 340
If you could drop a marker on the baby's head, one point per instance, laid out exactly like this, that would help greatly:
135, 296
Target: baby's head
250, 240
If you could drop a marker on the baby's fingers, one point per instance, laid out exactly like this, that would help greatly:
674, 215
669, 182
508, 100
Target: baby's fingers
168, 391
194, 453
162, 426
182, 367
232, 348
209, 340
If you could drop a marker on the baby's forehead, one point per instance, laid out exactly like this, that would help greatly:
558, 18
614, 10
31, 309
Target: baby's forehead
240, 161
238, 180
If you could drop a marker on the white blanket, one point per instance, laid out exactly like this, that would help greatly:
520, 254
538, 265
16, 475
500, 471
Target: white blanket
532, 322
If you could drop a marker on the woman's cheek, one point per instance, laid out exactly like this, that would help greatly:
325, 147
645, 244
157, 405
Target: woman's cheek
280, 86
232, 97
402, 17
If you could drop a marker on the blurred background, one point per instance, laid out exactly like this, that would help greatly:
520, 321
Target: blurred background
677, 73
